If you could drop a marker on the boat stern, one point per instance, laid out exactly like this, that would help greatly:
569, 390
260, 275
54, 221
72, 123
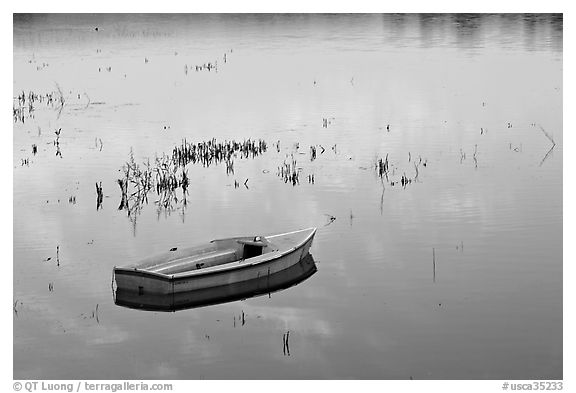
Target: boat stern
142, 281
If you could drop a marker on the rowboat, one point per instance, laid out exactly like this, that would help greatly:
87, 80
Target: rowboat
215, 264
275, 282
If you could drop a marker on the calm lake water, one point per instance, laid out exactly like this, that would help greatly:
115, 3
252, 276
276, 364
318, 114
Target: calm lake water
457, 275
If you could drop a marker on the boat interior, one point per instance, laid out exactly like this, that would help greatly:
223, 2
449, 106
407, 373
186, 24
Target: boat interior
217, 252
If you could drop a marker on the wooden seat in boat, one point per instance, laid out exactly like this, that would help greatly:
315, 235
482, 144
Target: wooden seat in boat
199, 261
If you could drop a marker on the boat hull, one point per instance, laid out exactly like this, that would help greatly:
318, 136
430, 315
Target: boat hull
287, 278
145, 282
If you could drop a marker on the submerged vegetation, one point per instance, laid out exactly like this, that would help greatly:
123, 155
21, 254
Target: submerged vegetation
214, 152
167, 175
388, 172
289, 172
25, 104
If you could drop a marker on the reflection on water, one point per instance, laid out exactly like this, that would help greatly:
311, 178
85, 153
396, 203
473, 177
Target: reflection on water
287, 278
427, 149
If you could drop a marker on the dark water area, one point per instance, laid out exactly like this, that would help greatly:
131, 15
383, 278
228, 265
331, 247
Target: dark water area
428, 152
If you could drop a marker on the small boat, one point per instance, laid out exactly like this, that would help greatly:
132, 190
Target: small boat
219, 263
276, 282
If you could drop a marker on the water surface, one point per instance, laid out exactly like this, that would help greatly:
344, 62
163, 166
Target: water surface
458, 275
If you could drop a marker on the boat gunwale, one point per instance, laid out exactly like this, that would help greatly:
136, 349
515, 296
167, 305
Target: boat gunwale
219, 269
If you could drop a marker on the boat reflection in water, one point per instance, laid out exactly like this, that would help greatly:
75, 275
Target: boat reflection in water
284, 279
